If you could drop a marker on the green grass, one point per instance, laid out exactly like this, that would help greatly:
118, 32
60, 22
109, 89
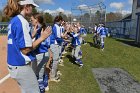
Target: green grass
81, 80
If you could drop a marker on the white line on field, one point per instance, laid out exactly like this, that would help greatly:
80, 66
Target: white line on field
4, 79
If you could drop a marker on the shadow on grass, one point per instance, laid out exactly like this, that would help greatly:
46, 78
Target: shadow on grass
93, 45
69, 49
128, 42
71, 59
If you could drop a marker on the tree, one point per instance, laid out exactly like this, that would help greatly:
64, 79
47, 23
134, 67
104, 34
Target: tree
0, 16
85, 19
97, 17
63, 16
34, 10
87, 16
69, 18
113, 17
5, 19
48, 18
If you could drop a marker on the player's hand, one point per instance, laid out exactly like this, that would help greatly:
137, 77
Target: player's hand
48, 64
45, 33
35, 28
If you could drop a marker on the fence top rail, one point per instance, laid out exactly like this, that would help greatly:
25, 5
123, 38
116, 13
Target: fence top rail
122, 20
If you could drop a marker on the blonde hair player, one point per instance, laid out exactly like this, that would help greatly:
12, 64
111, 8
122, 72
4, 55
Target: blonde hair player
20, 44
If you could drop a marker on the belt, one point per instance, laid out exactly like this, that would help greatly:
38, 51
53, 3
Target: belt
12, 67
15, 67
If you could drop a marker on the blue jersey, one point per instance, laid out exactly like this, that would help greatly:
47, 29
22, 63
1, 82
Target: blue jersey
43, 47
62, 29
56, 35
75, 39
102, 31
83, 30
19, 37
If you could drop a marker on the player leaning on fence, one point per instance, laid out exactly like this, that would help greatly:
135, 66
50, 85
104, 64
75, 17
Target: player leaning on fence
20, 44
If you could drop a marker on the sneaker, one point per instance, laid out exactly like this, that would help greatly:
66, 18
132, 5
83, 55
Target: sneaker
62, 56
54, 80
80, 57
81, 65
64, 52
76, 62
102, 49
61, 64
47, 88
85, 43
59, 73
61, 61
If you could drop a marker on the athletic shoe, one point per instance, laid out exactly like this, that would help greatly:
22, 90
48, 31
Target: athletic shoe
62, 56
64, 52
54, 80
76, 62
102, 49
47, 88
61, 61
59, 73
85, 43
61, 64
81, 65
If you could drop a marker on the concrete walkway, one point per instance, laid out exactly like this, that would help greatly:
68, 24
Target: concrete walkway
115, 80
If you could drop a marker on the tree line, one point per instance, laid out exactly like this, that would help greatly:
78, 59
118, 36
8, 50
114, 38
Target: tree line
86, 17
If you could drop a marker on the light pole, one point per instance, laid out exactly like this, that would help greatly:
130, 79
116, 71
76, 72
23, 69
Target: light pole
103, 10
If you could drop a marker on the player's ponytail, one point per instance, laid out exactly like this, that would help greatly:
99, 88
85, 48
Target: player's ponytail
12, 8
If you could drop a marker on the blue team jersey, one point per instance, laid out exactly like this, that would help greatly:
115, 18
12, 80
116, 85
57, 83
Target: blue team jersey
43, 47
102, 31
56, 35
62, 29
75, 39
83, 30
19, 37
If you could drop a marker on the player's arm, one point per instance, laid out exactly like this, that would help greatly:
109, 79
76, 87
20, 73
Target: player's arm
44, 35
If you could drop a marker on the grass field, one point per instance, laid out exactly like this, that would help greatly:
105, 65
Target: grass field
81, 80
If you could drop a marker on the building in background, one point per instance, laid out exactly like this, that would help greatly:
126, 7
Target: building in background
136, 16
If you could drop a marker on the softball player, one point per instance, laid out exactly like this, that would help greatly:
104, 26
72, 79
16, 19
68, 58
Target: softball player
42, 51
20, 44
83, 34
76, 43
102, 32
95, 34
61, 44
56, 41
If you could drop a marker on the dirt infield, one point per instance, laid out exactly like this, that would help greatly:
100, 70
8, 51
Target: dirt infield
8, 86
3, 54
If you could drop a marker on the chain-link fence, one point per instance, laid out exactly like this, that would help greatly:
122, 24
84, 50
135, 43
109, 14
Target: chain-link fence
122, 29
88, 15
118, 29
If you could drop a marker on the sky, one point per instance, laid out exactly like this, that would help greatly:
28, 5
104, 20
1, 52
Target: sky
69, 6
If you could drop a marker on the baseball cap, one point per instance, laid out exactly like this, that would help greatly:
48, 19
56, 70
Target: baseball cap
24, 2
